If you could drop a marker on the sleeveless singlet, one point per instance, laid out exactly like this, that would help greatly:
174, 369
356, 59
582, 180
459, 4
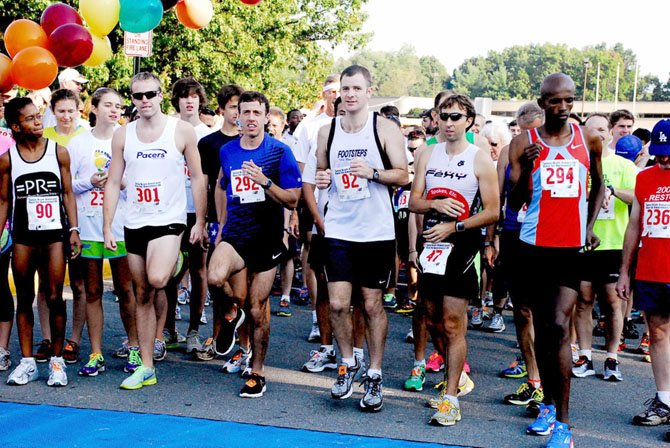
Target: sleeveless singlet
358, 210
652, 190
37, 191
557, 211
156, 185
452, 178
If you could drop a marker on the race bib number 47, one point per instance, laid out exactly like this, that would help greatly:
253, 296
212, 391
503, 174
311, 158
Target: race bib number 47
349, 186
246, 189
434, 257
43, 213
656, 218
560, 177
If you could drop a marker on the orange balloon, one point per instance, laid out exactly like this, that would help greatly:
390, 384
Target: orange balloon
195, 14
24, 33
6, 81
34, 68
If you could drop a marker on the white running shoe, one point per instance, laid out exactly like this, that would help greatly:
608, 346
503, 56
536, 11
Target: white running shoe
193, 343
57, 375
24, 373
314, 334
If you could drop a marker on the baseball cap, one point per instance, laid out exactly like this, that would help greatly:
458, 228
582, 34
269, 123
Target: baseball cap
70, 74
426, 113
660, 139
628, 147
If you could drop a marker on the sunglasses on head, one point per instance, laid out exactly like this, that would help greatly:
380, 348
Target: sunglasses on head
454, 116
149, 94
494, 144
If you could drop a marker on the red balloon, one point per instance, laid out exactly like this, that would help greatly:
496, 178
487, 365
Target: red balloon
58, 14
72, 44
24, 33
6, 81
34, 68
251, 2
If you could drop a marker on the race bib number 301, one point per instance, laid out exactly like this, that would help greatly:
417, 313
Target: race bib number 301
656, 220
434, 257
148, 197
246, 189
43, 213
349, 186
560, 177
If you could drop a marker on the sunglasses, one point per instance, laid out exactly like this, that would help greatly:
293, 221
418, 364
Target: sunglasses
557, 101
494, 144
149, 94
454, 116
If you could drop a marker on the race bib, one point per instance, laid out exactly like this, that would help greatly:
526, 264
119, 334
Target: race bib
246, 189
560, 177
403, 200
521, 216
656, 220
148, 197
43, 213
607, 213
350, 187
187, 175
93, 200
434, 257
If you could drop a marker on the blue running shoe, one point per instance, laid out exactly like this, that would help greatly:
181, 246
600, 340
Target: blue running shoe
515, 370
544, 423
562, 437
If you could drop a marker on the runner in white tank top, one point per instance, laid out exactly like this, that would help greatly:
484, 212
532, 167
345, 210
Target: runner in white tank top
450, 177
151, 151
359, 160
40, 173
188, 97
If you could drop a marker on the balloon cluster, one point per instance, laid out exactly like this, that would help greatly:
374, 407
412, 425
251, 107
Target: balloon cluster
61, 39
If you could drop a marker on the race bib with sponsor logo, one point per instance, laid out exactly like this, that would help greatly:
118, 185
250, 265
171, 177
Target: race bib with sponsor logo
434, 257
246, 189
43, 213
349, 186
560, 177
656, 220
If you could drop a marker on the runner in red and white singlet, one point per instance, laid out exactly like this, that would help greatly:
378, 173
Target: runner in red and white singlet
550, 169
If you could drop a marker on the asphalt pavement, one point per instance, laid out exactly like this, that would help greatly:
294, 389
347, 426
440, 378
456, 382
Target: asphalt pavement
601, 411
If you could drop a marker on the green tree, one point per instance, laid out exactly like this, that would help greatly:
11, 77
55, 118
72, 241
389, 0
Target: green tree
277, 47
402, 72
518, 71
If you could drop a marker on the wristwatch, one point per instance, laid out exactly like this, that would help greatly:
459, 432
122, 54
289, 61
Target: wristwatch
267, 184
375, 175
611, 189
460, 226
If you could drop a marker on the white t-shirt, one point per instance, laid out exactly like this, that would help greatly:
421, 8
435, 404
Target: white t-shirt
201, 130
308, 132
88, 156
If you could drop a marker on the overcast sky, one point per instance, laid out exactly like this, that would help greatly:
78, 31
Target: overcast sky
456, 30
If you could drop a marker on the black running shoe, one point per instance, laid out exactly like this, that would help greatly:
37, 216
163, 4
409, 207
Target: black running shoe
656, 413
225, 341
254, 387
630, 330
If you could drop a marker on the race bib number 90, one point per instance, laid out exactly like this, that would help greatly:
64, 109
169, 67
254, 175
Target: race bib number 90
349, 186
656, 220
148, 196
560, 177
246, 189
43, 213
434, 257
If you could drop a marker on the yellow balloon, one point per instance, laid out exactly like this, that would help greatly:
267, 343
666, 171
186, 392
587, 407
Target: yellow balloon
101, 15
102, 51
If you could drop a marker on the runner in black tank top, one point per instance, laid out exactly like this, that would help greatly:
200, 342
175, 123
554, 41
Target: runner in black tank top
40, 173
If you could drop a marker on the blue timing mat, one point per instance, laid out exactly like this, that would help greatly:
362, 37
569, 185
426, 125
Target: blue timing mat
33, 425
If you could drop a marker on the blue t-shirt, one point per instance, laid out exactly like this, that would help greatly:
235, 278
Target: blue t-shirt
258, 221
511, 221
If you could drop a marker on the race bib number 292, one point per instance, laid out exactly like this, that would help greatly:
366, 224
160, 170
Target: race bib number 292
244, 188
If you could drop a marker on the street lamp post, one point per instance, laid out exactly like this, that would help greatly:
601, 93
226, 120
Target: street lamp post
587, 65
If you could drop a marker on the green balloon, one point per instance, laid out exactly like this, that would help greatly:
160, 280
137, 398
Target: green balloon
140, 16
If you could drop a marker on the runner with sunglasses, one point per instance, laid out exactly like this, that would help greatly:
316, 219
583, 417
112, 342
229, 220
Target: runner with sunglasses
151, 152
550, 170
453, 180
